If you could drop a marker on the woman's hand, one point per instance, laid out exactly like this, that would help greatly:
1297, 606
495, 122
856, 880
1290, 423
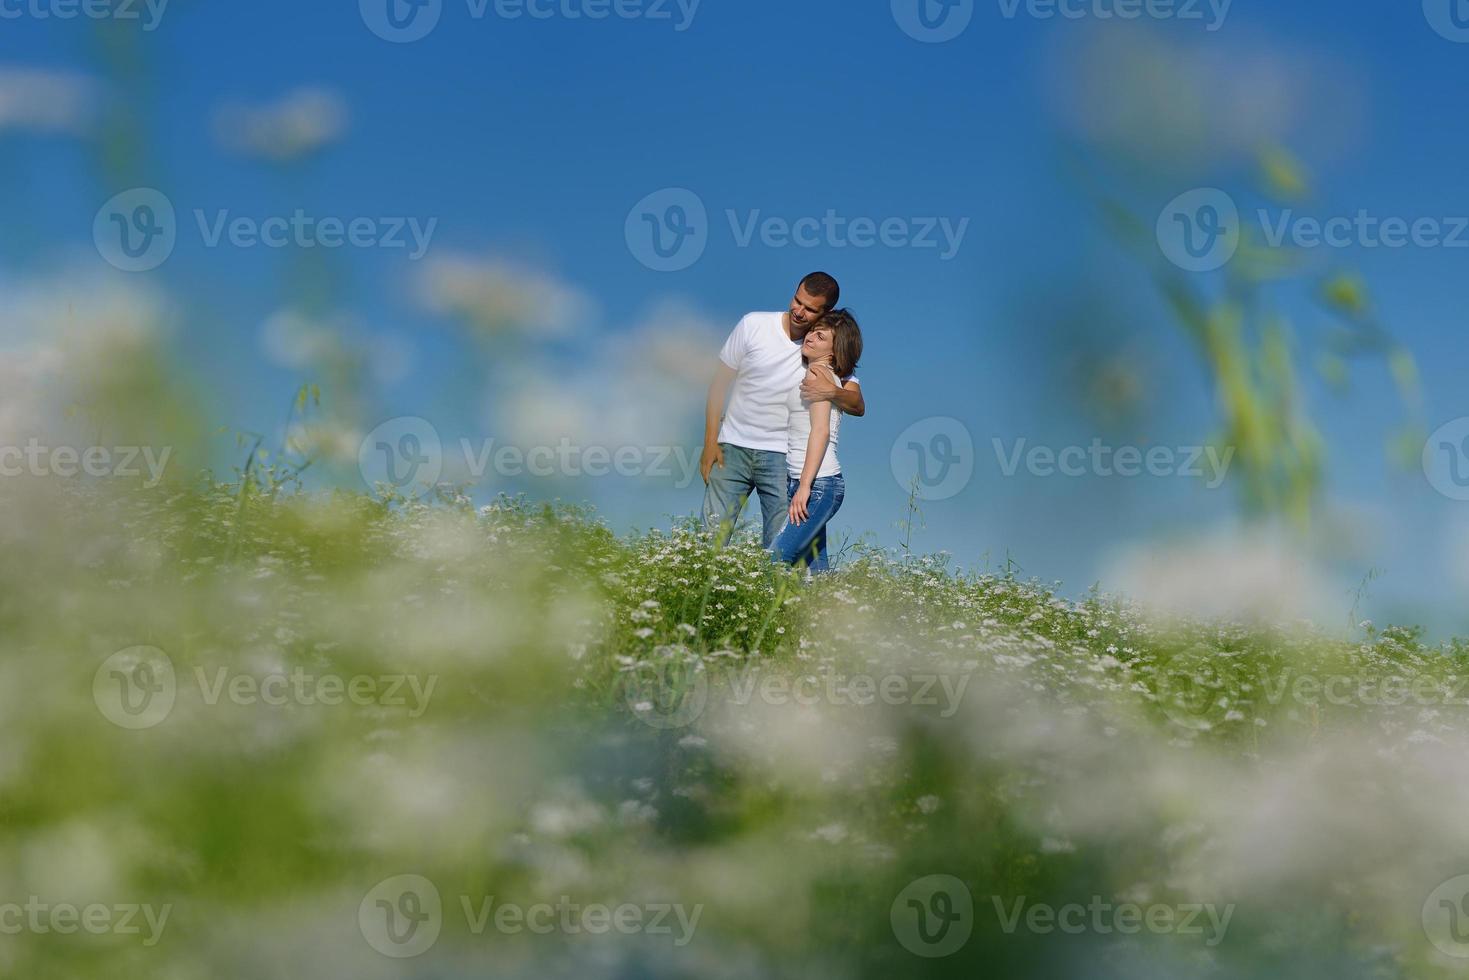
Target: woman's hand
798, 505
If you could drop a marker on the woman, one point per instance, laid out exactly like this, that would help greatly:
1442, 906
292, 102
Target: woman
814, 477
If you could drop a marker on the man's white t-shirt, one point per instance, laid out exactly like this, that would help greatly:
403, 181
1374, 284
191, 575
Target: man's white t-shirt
768, 367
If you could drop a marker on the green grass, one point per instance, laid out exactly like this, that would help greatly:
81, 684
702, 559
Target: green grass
612, 719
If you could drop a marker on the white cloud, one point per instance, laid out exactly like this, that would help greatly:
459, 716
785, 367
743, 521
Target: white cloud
60, 337
641, 387
1191, 104
498, 297
1258, 574
294, 340
46, 101
298, 124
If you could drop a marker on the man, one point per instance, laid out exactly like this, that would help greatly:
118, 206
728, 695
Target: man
761, 362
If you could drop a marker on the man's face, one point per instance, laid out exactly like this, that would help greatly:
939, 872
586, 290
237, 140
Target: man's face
805, 310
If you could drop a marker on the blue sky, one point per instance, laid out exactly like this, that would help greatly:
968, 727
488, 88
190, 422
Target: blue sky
528, 141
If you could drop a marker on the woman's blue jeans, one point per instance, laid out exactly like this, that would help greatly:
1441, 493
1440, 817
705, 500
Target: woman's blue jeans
805, 543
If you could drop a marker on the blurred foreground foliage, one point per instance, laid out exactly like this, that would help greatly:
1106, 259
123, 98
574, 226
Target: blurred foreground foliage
656, 719
1241, 321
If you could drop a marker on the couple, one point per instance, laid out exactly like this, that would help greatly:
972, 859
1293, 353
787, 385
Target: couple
791, 375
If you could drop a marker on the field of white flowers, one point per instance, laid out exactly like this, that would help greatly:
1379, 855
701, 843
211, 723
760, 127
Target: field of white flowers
259, 734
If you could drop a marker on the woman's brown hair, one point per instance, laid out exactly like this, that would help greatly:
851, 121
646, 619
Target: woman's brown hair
846, 341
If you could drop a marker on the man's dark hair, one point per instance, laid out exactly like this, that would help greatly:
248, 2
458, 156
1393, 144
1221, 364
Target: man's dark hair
823, 285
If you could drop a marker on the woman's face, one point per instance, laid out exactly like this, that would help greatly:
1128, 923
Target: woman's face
817, 344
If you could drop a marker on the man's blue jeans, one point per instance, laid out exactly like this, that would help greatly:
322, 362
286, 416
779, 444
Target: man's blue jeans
747, 471
805, 543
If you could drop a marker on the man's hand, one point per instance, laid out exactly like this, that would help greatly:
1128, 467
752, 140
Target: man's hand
819, 385
798, 510
712, 456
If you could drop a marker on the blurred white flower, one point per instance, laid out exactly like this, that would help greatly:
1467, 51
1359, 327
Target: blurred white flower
296, 125
294, 340
77, 860
63, 336
1229, 573
46, 101
639, 387
832, 833
331, 439
1182, 104
498, 297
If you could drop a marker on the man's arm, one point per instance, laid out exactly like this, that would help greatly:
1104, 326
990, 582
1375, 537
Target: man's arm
821, 385
724, 376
